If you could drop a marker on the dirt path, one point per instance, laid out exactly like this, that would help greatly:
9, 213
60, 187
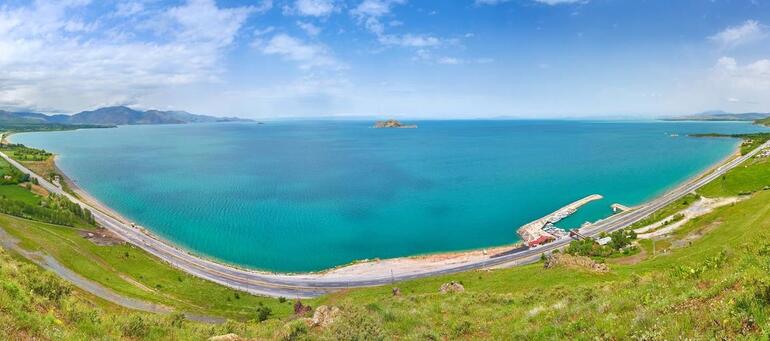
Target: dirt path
49, 263
697, 209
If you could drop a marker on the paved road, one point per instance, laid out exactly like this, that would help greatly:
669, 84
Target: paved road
309, 285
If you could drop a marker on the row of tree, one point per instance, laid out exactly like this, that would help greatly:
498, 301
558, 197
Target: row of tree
55, 210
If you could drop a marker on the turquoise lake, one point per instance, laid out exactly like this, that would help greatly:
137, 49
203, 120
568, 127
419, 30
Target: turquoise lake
309, 195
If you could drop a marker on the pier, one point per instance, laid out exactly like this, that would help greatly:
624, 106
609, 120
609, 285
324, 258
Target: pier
542, 230
619, 208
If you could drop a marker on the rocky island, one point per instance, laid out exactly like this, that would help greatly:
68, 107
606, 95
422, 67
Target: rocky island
393, 124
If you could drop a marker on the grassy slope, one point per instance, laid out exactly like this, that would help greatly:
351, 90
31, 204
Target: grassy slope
112, 265
690, 291
752, 176
35, 304
16, 192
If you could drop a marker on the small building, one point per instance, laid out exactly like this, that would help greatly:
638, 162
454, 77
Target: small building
604, 241
543, 239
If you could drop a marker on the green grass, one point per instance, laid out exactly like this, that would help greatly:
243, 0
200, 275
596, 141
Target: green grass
111, 266
37, 305
667, 211
16, 192
678, 294
5, 167
751, 176
20, 152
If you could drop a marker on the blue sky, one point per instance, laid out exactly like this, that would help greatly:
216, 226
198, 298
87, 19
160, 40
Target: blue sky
388, 58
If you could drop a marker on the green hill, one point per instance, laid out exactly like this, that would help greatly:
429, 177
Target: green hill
763, 121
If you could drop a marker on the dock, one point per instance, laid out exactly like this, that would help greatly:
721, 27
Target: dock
619, 208
542, 230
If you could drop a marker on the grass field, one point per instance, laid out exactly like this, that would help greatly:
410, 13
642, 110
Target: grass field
752, 176
16, 192
119, 267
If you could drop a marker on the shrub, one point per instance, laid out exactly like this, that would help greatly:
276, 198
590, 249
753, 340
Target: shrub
356, 324
263, 312
50, 286
293, 331
135, 327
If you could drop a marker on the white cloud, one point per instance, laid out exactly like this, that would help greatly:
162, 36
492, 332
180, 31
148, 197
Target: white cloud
130, 8
749, 82
410, 40
749, 31
309, 28
202, 21
307, 55
375, 8
313, 8
427, 56
449, 61
53, 60
368, 14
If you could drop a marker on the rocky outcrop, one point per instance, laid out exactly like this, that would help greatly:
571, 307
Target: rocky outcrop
392, 124
451, 287
324, 316
560, 259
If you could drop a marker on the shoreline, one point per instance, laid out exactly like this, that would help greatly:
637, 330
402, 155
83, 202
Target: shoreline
372, 272
425, 260
422, 260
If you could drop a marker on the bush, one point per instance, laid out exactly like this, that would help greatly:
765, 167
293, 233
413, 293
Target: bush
356, 324
50, 286
263, 312
294, 331
136, 327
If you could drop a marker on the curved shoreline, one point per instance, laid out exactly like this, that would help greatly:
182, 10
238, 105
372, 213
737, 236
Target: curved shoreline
365, 273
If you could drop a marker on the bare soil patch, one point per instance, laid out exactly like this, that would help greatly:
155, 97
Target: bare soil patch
101, 237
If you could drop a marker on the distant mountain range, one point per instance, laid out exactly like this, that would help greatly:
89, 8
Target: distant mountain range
110, 116
718, 115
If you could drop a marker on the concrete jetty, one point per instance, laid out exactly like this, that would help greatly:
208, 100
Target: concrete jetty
619, 208
540, 231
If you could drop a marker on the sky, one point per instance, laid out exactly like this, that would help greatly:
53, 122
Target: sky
387, 58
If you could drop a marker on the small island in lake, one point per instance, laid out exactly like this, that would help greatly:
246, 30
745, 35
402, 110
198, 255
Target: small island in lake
393, 124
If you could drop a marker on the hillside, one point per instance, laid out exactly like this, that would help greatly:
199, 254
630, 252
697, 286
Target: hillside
718, 115
708, 279
110, 116
764, 121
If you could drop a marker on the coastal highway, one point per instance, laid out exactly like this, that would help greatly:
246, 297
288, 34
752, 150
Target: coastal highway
312, 285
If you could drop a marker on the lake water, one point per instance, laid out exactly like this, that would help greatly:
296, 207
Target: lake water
308, 195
